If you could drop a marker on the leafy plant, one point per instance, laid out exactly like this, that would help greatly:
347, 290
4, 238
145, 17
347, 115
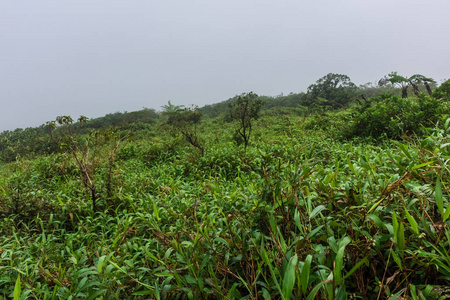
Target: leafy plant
244, 109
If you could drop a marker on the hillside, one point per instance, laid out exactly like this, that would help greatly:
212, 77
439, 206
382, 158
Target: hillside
288, 197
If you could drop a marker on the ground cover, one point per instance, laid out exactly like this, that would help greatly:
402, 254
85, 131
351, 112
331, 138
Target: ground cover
299, 214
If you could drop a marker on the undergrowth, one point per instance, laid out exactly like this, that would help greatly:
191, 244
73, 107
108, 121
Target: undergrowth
298, 215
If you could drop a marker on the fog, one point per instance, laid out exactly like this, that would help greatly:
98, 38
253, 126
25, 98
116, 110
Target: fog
97, 57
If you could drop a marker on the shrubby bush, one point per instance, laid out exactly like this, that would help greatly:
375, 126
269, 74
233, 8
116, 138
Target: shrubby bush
443, 91
395, 117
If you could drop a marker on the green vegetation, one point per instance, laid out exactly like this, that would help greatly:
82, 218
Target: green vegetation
185, 121
244, 110
334, 198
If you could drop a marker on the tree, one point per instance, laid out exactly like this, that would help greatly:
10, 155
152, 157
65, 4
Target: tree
404, 82
170, 108
397, 80
337, 89
244, 109
185, 121
420, 79
86, 152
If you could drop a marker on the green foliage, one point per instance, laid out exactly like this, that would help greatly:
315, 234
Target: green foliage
395, 117
335, 90
127, 119
443, 91
371, 90
27, 142
299, 215
186, 122
405, 82
244, 109
88, 154
398, 80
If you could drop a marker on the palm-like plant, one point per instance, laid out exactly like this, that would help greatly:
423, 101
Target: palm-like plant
170, 108
397, 80
420, 79
405, 82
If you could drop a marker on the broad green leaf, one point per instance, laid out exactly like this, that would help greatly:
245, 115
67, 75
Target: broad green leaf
404, 149
314, 291
266, 294
81, 284
397, 259
221, 240
189, 279
375, 205
187, 243
376, 220
341, 293
446, 214
413, 291
397, 295
168, 252
412, 222
333, 244
231, 292
289, 278
401, 237
395, 225
438, 196
355, 267
297, 221
96, 294
164, 274
422, 165
143, 293
304, 274
316, 230
100, 263
17, 289
338, 265
344, 241
316, 211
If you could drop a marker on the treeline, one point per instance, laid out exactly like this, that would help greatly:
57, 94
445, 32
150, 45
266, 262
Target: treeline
376, 109
33, 141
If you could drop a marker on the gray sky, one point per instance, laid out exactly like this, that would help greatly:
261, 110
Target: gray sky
93, 57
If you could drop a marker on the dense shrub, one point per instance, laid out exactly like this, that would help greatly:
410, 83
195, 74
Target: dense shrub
443, 91
394, 117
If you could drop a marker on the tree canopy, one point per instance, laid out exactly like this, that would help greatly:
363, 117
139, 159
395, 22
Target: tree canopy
336, 89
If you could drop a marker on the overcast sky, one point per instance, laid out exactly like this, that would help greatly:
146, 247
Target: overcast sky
93, 57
